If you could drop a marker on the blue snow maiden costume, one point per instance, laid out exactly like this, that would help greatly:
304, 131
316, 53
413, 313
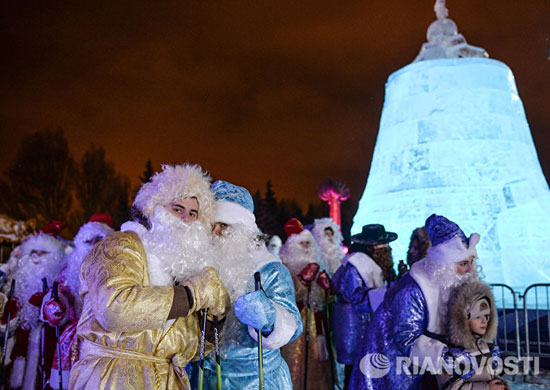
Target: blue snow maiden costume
408, 323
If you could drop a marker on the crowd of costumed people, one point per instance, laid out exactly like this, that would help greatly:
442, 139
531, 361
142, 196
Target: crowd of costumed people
190, 294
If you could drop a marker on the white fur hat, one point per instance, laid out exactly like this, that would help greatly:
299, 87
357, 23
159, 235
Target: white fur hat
42, 242
177, 182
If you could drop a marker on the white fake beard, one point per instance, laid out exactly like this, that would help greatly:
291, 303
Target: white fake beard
28, 281
446, 278
296, 257
332, 253
183, 248
235, 263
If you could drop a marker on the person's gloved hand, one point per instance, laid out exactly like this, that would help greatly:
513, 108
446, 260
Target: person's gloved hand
255, 309
460, 361
308, 273
54, 312
36, 299
495, 356
208, 291
323, 280
12, 307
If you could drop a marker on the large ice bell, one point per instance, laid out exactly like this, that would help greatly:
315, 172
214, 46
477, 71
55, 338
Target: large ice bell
454, 140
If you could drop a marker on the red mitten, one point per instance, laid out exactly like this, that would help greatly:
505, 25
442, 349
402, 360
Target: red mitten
12, 307
307, 275
54, 312
323, 280
36, 299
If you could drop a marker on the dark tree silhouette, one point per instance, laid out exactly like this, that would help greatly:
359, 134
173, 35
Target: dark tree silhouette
99, 188
40, 180
148, 172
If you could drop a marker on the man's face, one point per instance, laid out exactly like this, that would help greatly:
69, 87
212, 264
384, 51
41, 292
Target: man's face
329, 234
37, 255
465, 266
186, 209
219, 228
306, 244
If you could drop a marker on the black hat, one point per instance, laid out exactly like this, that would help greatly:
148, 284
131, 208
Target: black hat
374, 234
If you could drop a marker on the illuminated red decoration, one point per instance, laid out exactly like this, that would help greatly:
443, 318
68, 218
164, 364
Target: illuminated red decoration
334, 192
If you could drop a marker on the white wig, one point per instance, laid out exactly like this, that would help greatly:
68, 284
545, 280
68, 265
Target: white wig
42, 242
177, 182
319, 226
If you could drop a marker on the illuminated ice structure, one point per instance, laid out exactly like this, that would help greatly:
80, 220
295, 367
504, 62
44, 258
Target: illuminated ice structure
454, 140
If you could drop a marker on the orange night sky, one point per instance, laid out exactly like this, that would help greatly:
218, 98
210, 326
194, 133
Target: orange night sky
290, 91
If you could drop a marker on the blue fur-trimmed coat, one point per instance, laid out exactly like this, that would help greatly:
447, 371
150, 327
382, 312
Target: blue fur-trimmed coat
397, 329
353, 284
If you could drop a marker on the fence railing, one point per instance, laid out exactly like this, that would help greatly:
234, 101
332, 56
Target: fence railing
535, 338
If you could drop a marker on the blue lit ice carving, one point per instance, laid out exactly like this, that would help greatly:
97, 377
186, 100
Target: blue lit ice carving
454, 140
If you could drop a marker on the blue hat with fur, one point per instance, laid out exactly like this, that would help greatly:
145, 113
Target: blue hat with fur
234, 204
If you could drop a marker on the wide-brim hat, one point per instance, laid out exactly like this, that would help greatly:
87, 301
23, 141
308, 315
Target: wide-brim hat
374, 234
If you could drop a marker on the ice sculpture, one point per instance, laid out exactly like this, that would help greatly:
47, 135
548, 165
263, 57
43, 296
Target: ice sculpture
454, 140
444, 41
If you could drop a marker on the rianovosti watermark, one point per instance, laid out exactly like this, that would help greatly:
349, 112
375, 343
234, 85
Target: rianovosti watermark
377, 365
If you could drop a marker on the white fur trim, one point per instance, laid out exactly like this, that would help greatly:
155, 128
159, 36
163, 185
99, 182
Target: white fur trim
425, 347
17, 373
131, 226
54, 379
283, 330
33, 355
431, 294
370, 272
232, 213
454, 250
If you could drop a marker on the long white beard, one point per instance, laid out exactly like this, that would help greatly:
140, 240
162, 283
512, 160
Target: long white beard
183, 248
28, 281
235, 263
332, 253
445, 277
296, 257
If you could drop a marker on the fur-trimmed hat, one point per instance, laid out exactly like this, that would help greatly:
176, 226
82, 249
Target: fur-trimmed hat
449, 243
93, 228
234, 204
177, 182
463, 298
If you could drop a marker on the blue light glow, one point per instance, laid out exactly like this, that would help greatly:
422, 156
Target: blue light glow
454, 140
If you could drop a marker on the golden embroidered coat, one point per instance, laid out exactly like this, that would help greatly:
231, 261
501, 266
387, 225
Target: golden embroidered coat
127, 342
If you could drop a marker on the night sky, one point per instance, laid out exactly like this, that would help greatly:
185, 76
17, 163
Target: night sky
290, 91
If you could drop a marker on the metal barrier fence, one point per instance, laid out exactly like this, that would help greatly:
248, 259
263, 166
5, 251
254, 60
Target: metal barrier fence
542, 341
534, 341
501, 292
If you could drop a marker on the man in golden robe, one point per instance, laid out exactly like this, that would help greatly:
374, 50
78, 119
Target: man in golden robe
143, 286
